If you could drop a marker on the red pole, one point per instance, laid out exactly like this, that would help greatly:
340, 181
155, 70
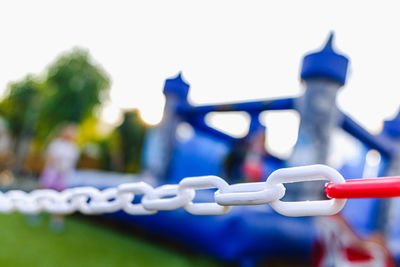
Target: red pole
365, 188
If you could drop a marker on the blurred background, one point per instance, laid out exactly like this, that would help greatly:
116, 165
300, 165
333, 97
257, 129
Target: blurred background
99, 93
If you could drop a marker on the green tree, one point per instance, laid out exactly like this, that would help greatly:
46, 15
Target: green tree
132, 132
74, 87
21, 108
21, 105
123, 149
70, 92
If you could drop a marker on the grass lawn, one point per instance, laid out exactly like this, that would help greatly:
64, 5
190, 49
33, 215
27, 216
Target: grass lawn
81, 244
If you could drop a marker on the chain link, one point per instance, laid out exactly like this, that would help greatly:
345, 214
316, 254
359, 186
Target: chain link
90, 200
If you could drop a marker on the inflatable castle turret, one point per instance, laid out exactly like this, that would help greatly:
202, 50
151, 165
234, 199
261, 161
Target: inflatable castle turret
388, 208
161, 143
324, 73
392, 130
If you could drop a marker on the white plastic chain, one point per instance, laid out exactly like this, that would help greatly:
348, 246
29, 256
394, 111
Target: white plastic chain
90, 200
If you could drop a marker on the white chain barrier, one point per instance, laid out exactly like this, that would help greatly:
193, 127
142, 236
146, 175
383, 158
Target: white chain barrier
90, 200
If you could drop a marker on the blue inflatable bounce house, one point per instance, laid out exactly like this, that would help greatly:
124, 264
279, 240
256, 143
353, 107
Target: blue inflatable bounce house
184, 145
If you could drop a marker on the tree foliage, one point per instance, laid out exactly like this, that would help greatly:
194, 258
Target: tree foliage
131, 132
122, 150
74, 86
21, 105
70, 91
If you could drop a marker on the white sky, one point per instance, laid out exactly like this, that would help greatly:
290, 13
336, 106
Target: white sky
227, 50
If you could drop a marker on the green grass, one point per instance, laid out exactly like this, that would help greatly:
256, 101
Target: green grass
81, 244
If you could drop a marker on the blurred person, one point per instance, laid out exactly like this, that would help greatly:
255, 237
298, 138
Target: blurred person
232, 165
254, 167
5, 138
6, 155
246, 160
60, 159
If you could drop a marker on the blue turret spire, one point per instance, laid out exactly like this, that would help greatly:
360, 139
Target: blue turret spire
329, 43
325, 64
177, 86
